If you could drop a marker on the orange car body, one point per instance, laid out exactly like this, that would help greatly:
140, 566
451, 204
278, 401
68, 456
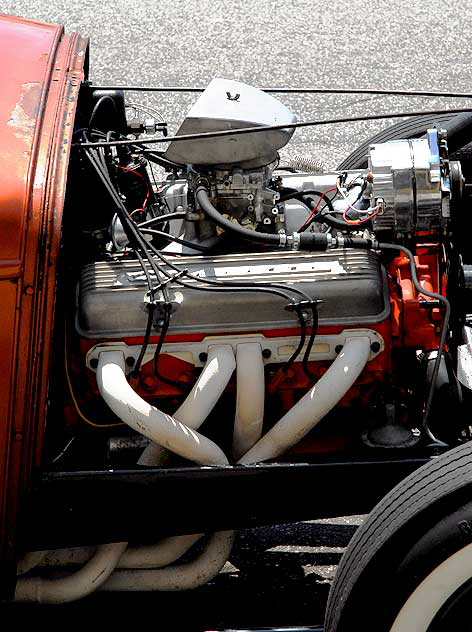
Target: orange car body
40, 76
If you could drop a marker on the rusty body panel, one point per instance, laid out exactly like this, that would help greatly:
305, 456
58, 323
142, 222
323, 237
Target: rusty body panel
40, 75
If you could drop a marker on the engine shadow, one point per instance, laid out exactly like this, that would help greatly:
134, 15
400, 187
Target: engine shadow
276, 576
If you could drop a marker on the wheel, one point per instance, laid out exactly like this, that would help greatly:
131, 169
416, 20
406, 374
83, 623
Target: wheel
410, 128
409, 566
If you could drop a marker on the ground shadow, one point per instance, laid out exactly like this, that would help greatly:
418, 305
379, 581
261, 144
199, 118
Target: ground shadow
278, 576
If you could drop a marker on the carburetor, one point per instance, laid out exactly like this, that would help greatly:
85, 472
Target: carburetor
246, 196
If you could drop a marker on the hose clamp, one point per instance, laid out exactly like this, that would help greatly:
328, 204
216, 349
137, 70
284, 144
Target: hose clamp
202, 182
293, 241
282, 240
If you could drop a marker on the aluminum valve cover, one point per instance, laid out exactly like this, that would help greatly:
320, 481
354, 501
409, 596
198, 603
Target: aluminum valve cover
351, 283
228, 105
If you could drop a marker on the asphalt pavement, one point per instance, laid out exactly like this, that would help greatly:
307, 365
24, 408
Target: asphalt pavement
409, 44
278, 575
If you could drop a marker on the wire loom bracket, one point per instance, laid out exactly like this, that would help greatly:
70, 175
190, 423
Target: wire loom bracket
162, 308
300, 306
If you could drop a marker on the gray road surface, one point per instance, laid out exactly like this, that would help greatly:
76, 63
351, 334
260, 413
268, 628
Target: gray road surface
278, 575
398, 44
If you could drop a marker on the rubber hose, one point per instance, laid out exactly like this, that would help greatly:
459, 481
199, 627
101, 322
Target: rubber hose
459, 131
208, 208
360, 242
308, 241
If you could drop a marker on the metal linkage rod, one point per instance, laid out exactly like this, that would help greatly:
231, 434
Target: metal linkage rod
282, 90
266, 128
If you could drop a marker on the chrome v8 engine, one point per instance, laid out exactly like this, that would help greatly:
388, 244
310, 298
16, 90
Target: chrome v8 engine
404, 190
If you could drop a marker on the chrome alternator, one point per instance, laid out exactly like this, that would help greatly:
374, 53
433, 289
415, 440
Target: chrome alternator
412, 177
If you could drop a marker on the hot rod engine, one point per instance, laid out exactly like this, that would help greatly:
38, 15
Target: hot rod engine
218, 306
281, 273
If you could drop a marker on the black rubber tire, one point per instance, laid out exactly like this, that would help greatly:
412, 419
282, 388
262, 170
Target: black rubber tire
409, 128
417, 526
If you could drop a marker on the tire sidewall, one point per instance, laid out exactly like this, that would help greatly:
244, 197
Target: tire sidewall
400, 566
410, 128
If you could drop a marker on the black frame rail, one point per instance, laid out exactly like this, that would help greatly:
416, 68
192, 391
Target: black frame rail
89, 507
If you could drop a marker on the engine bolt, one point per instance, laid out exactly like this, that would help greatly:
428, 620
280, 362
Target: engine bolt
290, 376
203, 356
338, 348
130, 361
375, 347
148, 382
266, 353
93, 363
